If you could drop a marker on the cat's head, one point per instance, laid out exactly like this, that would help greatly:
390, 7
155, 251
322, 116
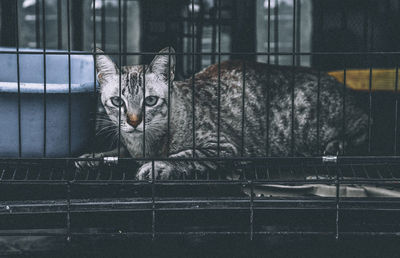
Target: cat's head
137, 92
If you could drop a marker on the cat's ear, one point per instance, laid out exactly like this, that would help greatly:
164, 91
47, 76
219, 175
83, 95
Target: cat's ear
160, 63
104, 66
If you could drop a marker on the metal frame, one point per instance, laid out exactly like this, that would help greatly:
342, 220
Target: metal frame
19, 171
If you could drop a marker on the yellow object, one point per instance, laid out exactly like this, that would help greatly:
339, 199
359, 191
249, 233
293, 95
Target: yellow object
381, 80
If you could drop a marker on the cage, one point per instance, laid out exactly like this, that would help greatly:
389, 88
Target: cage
315, 204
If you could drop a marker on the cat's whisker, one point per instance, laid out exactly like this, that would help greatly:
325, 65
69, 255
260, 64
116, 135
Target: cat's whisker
104, 120
105, 130
110, 133
110, 125
105, 123
103, 133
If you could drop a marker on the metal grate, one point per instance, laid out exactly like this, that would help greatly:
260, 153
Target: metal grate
49, 198
239, 170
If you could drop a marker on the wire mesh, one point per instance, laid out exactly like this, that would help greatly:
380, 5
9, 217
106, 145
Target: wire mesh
266, 187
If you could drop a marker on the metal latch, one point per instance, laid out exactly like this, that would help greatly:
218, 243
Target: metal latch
329, 159
110, 160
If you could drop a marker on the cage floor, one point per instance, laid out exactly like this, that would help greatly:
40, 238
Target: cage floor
285, 170
263, 200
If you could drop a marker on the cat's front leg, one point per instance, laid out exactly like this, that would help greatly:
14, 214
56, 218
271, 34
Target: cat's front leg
162, 171
173, 169
165, 170
84, 164
176, 169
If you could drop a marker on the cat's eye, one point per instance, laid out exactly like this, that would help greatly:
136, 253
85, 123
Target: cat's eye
150, 101
117, 101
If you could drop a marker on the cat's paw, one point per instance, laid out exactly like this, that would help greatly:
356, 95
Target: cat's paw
85, 164
162, 171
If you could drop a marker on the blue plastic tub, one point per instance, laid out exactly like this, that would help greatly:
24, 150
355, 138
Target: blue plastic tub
50, 138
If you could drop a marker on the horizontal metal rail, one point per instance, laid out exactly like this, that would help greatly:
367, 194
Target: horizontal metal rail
179, 204
203, 233
73, 52
282, 160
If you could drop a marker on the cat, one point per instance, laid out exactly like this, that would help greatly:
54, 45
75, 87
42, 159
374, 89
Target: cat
267, 127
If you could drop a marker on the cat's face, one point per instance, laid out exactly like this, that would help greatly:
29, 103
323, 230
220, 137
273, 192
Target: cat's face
139, 98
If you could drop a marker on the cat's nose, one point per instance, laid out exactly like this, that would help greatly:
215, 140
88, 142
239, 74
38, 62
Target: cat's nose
133, 119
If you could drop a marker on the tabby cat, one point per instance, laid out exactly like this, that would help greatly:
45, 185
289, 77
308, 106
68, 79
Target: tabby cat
266, 112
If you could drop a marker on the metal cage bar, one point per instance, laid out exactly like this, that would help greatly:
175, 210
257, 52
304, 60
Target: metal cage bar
219, 80
120, 74
243, 106
169, 101
144, 111
37, 23
94, 80
396, 110
276, 32
59, 25
337, 200
153, 202
292, 130
44, 77
125, 31
103, 25
318, 149
370, 109
69, 77
18, 79
267, 147
193, 80
344, 107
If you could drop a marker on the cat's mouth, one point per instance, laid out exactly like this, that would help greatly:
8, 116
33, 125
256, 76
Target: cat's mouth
133, 131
